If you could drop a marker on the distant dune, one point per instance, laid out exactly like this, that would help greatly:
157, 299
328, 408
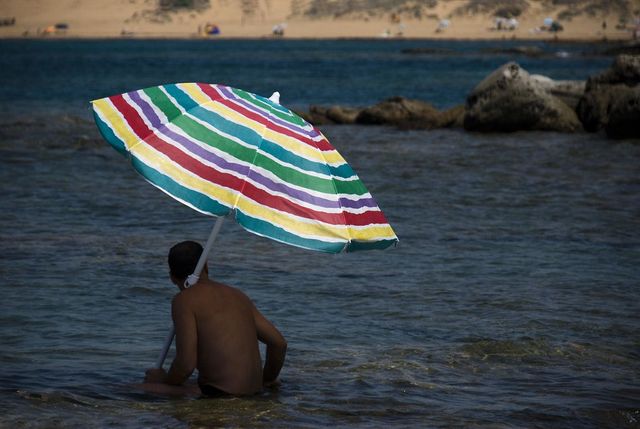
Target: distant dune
451, 19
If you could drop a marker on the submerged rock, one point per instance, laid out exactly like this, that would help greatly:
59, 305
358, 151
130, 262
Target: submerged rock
631, 48
509, 99
612, 99
427, 51
529, 51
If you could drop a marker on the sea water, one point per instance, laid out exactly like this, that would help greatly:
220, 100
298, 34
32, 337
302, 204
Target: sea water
511, 300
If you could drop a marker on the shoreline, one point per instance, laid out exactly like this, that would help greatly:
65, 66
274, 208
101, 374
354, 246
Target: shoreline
153, 36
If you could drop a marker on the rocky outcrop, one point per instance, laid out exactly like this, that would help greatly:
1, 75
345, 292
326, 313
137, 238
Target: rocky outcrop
625, 69
321, 115
400, 111
569, 91
509, 99
342, 115
612, 99
624, 116
453, 117
396, 111
595, 106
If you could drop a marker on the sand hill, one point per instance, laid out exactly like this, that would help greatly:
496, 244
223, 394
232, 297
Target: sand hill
466, 19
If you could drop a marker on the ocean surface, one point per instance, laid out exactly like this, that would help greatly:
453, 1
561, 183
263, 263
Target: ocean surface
512, 300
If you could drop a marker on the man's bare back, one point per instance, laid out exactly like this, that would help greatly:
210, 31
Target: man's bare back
217, 332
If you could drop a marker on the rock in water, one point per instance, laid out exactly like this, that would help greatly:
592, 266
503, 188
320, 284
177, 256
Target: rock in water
612, 99
453, 117
595, 105
342, 115
321, 115
317, 115
401, 112
624, 116
530, 51
510, 100
569, 91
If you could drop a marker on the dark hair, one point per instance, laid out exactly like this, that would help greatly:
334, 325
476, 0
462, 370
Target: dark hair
183, 258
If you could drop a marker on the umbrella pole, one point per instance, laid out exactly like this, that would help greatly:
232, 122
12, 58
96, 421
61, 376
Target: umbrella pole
165, 347
191, 280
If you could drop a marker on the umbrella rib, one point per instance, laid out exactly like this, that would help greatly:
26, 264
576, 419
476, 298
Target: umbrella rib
250, 166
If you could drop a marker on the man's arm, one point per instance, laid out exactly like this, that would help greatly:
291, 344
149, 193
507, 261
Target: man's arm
276, 347
186, 341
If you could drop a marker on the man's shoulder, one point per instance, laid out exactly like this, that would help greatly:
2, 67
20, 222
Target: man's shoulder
197, 291
222, 286
236, 292
233, 293
189, 298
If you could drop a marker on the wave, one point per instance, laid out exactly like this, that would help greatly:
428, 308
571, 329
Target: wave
543, 352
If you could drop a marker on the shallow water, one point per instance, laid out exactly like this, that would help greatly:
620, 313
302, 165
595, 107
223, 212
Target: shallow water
511, 300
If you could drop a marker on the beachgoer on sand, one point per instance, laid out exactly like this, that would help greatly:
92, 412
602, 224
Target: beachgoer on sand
217, 331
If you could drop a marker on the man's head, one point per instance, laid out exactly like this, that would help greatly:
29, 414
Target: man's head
183, 258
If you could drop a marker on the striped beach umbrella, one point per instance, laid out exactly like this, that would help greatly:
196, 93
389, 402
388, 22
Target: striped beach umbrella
223, 151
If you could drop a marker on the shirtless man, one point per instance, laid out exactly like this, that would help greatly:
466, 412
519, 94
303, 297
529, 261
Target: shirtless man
217, 332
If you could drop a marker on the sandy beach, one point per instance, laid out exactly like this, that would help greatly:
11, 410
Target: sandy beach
448, 19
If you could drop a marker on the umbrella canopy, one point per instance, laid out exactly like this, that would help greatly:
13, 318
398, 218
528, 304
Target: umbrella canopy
222, 150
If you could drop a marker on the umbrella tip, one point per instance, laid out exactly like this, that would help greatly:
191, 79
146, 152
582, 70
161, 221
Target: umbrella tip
275, 97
